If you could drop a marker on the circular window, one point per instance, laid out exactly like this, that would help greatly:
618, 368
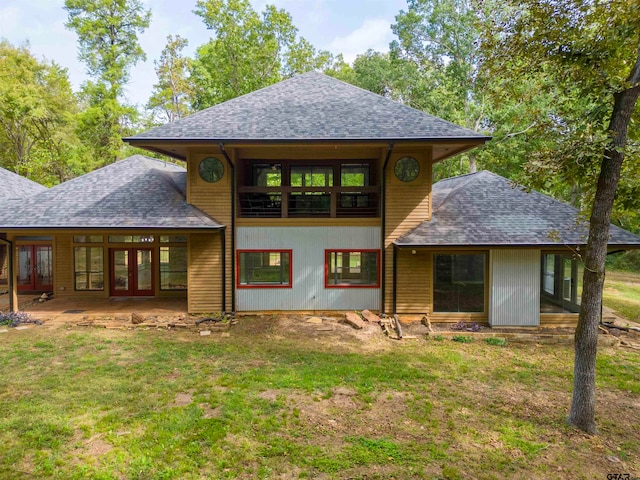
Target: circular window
211, 169
407, 169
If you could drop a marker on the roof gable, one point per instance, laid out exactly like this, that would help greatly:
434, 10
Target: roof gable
135, 192
13, 185
309, 107
485, 209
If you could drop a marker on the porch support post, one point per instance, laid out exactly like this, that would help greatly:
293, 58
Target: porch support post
395, 277
13, 292
224, 271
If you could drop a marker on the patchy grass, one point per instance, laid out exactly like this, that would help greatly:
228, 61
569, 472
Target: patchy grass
280, 400
622, 294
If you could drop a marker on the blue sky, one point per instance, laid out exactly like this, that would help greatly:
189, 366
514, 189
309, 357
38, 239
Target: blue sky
349, 27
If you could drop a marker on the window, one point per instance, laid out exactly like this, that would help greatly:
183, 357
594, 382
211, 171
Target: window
459, 282
211, 170
319, 188
88, 268
407, 169
131, 239
173, 239
173, 268
356, 268
561, 287
88, 238
264, 268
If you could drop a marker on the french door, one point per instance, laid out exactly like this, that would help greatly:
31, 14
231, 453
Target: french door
132, 272
35, 268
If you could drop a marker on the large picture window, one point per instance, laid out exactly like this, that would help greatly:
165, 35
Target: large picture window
173, 268
459, 282
352, 268
88, 268
264, 269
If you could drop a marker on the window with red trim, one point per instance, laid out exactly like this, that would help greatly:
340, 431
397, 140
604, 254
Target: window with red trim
352, 268
264, 268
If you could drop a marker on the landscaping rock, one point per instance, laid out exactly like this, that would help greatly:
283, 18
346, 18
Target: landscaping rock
22, 327
4, 330
205, 333
316, 320
354, 320
370, 316
136, 318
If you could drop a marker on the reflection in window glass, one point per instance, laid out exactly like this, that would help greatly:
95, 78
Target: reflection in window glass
88, 238
265, 269
266, 175
356, 268
88, 268
173, 239
173, 268
354, 175
561, 283
318, 176
459, 282
131, 238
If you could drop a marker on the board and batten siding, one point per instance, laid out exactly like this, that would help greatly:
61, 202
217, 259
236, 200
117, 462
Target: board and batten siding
514, 298
308, 245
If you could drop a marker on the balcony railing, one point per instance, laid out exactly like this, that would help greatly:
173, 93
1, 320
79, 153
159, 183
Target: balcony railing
297, 202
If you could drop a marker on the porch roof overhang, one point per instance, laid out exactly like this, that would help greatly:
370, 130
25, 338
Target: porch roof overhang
442, 148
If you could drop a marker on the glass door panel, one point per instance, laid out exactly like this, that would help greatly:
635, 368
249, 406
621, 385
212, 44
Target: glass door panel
25, 267
120, 284
144, 273
44, 271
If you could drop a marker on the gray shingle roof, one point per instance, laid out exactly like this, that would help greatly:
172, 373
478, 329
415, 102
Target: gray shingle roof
13, 185
485, 209
136, 192
308, 107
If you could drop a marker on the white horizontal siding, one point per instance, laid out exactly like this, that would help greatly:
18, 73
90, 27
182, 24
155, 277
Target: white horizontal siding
308, 245
515, 288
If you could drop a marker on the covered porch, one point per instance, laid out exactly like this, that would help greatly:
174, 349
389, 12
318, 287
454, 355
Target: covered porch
65, 310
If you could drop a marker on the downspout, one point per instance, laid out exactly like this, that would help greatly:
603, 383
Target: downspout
383, 257
12, 307
233, 227
395, 275
224, 272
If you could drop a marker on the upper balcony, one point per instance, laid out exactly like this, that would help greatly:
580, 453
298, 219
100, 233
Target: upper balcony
318, 188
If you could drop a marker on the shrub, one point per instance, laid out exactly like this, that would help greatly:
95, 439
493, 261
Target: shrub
500, 342
13, 319
462, 339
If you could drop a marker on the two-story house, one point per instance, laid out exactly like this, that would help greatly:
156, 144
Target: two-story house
311, 195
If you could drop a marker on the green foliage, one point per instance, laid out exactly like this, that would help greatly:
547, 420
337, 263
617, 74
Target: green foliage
37, 118
500, 342
462, 339
173, 94
108, 37
626, 261
108, 44
249, 51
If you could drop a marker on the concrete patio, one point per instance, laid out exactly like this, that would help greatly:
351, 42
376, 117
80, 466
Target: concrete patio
62, 310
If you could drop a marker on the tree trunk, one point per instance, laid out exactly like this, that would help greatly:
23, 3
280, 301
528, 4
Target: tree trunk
582, 414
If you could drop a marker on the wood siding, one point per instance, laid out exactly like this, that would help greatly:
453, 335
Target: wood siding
407, 205
205, 273
414, 282
214, 199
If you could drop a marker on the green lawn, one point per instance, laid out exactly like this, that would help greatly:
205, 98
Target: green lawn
281, 401
622, 294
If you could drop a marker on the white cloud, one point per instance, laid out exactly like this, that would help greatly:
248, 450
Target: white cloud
374, 33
